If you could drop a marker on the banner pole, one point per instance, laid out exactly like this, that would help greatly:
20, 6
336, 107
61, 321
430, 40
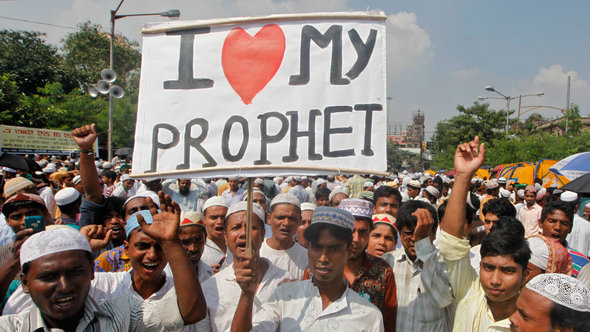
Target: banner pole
249, 220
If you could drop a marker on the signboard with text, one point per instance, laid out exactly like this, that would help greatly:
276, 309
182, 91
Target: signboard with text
23, 140
284, 94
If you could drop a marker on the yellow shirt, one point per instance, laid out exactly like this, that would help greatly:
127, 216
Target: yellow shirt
473, 312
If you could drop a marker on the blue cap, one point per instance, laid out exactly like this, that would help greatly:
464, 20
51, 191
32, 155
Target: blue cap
133, 223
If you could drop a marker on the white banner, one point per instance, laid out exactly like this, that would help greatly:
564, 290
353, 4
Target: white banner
285, 94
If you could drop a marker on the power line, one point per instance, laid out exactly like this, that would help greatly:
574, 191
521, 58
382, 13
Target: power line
35, 22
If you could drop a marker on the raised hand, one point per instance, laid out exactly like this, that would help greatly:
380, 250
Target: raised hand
245, 269
469, 157
424, 225
166, 223
85, 136
98, 236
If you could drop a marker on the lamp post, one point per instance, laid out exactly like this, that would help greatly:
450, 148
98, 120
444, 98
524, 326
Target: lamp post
532, 108
172, 13
508, 99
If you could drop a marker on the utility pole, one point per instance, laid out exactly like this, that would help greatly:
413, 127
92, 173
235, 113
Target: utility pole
567, 105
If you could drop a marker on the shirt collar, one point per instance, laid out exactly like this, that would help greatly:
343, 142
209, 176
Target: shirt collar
34, 320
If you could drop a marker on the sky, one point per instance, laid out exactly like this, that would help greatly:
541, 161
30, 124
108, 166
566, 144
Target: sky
440, 53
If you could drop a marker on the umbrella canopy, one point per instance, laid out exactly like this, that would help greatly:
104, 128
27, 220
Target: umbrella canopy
573, 166
580, 185
18, 162
124, 152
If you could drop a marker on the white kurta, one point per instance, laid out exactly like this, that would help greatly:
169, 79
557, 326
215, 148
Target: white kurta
293, 260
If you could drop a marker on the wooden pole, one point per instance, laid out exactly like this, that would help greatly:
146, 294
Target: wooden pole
249, 215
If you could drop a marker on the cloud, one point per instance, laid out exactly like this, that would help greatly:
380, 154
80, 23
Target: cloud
553, 81
408, 45
467, 74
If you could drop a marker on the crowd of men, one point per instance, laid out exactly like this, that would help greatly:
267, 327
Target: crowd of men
85, 247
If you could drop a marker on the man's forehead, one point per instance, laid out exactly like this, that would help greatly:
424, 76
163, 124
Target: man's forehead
58, 258
500, 261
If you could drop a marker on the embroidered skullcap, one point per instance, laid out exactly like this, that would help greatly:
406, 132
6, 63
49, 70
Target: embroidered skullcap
334, 216
215, 201
359, 208
15, 185
77, 179
8, 206
285, 198
549, 255
413, 184
368, 184
568, 196
51, 242
133, 223
541, 193
338, 190
190, 218
385, 218
432, 191
66, 196
306, 206
243, 206
504, 193
520, 193
492, 184
562, 289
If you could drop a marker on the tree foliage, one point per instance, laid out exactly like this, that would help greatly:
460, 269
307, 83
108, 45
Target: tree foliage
397, 156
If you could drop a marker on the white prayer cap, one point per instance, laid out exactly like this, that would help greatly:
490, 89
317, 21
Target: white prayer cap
504, 193
52, 241
338, 190
126, 177
76, 179
568, 196
259, 181
144, 194
106, 165
538, 186
42, 163
520, 193
502, 180
368, 184
334, 216
243, 206
66, 196
215, 201
405, 172
320, 181
539, 252
277, 179
587, 204
492, 184
285, 198
414, 184
561, 289
297, 179
98, 164
432, 191
306, 206
50, 169
289, 179
406, 180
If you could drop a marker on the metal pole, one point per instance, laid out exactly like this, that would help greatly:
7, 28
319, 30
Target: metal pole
112, 55
518, 116
507, 110
567, 106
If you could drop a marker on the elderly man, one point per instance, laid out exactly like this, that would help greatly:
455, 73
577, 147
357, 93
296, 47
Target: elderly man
552, 302
284, 217
321, 303
60, 260
222, 291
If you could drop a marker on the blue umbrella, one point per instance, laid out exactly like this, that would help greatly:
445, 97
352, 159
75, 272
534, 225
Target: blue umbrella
573, 166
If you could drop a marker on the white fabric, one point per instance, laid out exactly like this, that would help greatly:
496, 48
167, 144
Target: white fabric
562, 289
222, 293
423, 293
285, 199
308, 206
215, 201
579, 237
539, 252
212, 254
193, 201
6, 233
293, 260
51, 242
66, 196
47, 194
297, 306
243, 206
475, 257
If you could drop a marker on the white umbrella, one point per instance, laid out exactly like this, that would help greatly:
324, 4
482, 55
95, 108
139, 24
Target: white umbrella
573, 166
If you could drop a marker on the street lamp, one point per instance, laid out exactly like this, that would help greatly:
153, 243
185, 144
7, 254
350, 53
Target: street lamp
172, 13
508, 99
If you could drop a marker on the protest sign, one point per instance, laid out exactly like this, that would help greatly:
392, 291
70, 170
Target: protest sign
23, 140
282, 94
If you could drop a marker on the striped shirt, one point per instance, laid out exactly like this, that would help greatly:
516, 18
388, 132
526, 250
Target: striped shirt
124, 313
578, 260
423, 293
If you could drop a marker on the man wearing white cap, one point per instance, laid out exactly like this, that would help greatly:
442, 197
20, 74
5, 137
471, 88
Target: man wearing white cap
57, 273
368, 275
579, 238
431, 195
413, 189
297, 189
126, 188
322, 303
284, 217
260, 198
530, 213
222, 291
215, 253
337, 195
68, 200
192, 237
492, 191
552, 302
306, 213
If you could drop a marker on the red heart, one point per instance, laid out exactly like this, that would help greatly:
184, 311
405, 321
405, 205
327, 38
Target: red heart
249, 63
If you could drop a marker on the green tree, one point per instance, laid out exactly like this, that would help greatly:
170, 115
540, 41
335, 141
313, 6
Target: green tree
574, 123
9, 97
397, 156
29, 60
477, 120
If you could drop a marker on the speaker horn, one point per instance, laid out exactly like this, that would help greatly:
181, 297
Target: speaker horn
103, 87
117, 91
92, 91
108, 75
